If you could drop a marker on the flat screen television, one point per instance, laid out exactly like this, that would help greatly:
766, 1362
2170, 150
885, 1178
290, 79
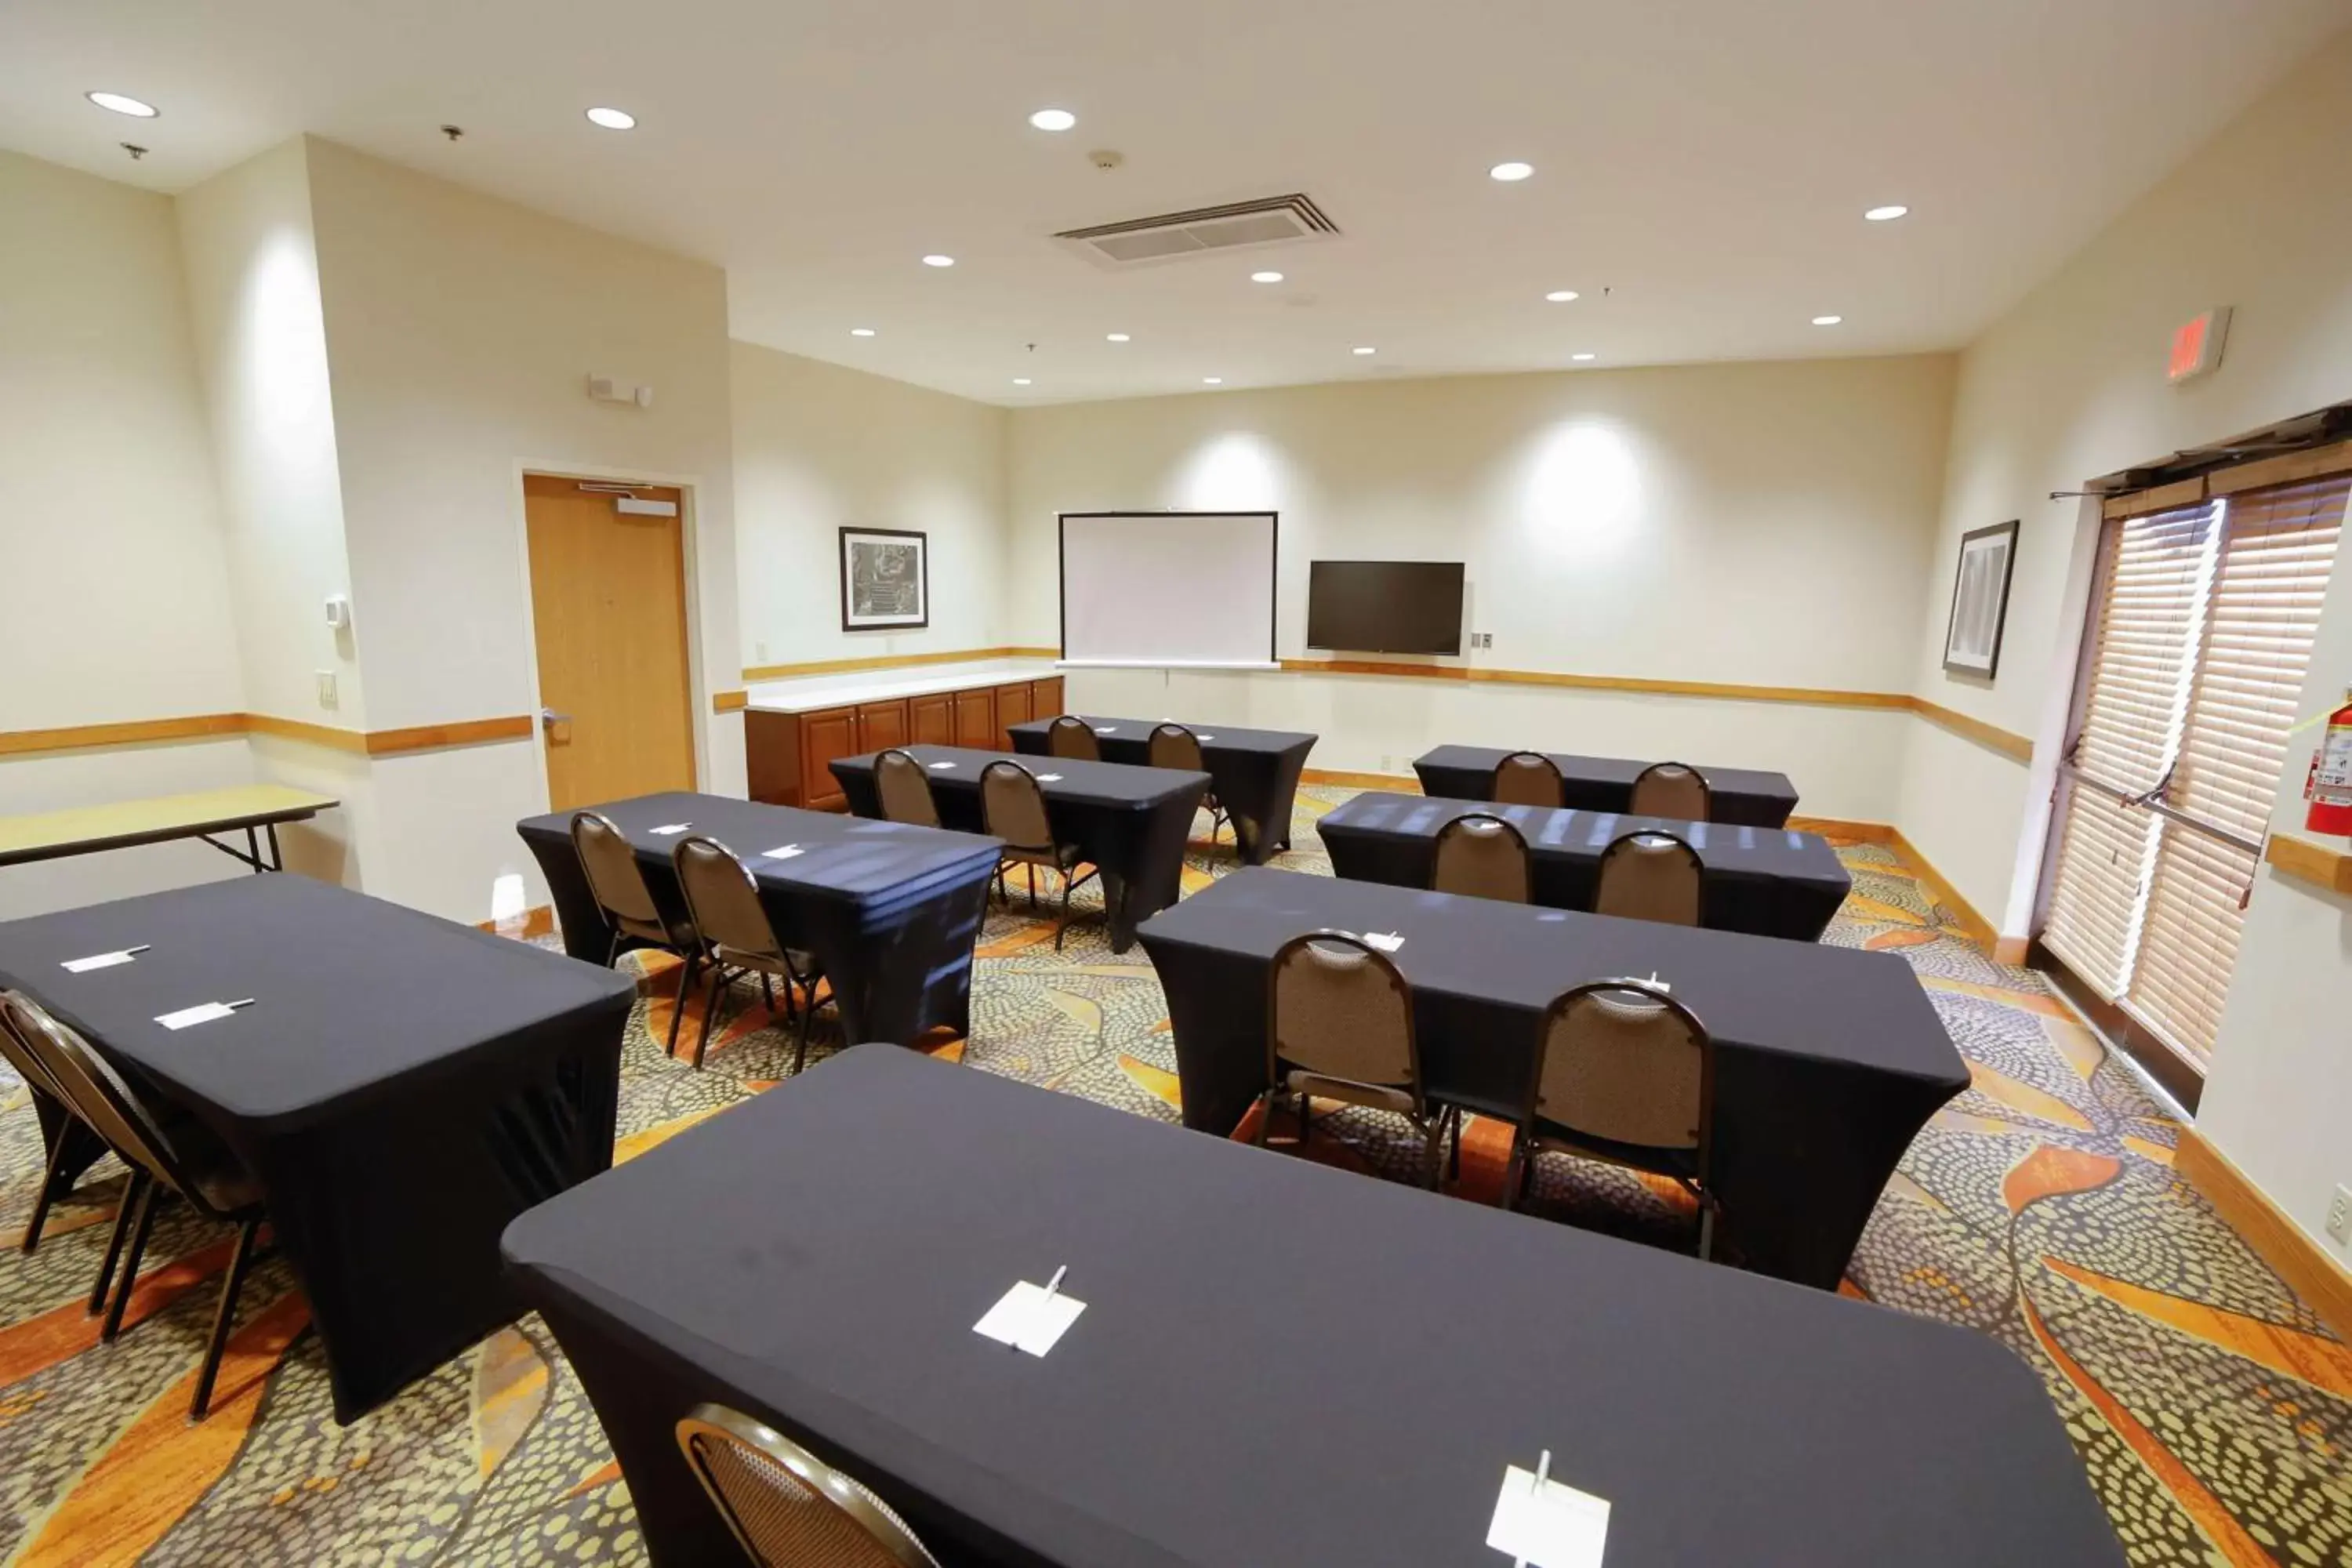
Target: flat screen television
1384, 607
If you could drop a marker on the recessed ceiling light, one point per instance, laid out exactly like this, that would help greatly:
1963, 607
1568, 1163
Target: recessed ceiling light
1053, 120
1827, 321
861, 331
1023, 380
1115, 337
1580, 358
1560, 296
1367, 350
1886, 214
938, 260
1266, 277
122, 104
1507, 172
613, 119
1212, 380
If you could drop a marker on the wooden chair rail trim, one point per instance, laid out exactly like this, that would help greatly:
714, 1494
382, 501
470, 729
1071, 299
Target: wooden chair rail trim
891, 661
2320, 865
729, 701
2293, 1253
216, 726
130, 732
2016, 747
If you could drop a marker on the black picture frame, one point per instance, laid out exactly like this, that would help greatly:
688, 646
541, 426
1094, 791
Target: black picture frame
868, 618
1982, 576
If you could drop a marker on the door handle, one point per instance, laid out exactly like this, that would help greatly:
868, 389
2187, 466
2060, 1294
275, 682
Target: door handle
555, 726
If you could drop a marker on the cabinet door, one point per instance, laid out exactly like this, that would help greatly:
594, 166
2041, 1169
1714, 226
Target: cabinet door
975, 719
930, 721
1046, 698
772, 752
824, 735
1012, 708
881, 725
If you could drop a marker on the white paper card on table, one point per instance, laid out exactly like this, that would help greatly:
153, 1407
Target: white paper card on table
1106, 728
939, 767
668, 828
1547, 1525
1386, 941
1049, 778
782, 852
101, 961
1029, 1317
1659, 985
203, 1013
1205, 738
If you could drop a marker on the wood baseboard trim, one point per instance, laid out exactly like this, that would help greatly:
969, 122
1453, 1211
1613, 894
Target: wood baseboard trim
890, 661
2011, 951
536, 921
1972, 925
2293, 1253
1839, 827
2306, 860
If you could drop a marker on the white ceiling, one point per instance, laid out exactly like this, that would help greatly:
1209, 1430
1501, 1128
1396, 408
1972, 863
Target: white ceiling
1706, 161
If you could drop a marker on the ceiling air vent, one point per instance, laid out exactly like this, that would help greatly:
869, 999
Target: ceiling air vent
1239, 225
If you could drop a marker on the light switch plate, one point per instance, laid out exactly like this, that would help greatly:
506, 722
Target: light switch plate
327, 697
2339, 1216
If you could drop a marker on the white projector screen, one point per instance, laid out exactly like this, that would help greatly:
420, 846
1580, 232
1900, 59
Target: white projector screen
1167, 588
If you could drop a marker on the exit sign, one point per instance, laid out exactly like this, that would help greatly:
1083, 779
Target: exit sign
2196, 345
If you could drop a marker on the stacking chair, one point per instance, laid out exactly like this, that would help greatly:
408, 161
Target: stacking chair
788, 1509
904, 789
1625, 1074
184, 1160
618, 885
69, 1134
1674, 790
737, 938
1339, 1023
1528, 778
1072, 737
1480, 855
1012, 807
1174, 746
1651, 877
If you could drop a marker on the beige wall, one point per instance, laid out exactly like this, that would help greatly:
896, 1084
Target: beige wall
819, 448
1758, 524
2069, 386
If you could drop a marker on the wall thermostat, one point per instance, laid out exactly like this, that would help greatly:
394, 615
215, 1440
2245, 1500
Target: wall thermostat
339, 610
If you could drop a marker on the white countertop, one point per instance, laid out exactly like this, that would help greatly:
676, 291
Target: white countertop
810, 692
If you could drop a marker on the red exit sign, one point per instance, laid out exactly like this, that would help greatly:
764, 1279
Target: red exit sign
2196, 345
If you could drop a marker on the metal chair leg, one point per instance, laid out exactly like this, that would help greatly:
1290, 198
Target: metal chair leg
122, 1216
1432, 1151
1453, 1168
1033, 890
1062, 925
47, 1194
710, 1008
768, 991
612, 951
224, 1318
1706, 1228
1265, 1116
1511, 1170
678, 1007
807, 1015
131, 1263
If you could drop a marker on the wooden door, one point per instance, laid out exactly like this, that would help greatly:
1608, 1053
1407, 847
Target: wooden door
608, 616
930, 721
975, 719
824, 735
1012, 708
881, 725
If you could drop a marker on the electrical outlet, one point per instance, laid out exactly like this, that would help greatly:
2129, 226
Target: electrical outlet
759, 652
2339, 1216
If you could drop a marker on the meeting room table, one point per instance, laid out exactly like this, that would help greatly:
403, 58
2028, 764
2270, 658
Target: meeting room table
399, 1085
1131, 823
1765, 881
1255, 772
1274, 1361
891, 911
1828, 1059
1743, 796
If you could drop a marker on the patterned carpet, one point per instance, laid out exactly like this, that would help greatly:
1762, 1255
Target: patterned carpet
2212, 1410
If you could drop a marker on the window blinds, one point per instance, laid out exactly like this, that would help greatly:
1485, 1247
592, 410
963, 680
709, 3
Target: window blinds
2206, 617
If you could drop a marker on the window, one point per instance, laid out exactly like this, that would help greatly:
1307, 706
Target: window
2204, 615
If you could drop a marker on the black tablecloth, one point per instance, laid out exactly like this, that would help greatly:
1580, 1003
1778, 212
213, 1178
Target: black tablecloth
891, 911
401, 1086
1766, 882
1741, 795
1829, 1060
1256, 771
1130, 823
1277, 1363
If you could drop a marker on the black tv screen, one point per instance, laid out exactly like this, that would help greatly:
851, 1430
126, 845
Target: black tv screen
1385, 607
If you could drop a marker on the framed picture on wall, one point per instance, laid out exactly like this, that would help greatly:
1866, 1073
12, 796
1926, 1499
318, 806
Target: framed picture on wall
1980, 600
885, 579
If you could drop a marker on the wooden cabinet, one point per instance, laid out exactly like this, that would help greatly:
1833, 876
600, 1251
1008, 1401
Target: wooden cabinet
1012, 707
1046, 699
828, 733
975, 719
881, 725
930, 721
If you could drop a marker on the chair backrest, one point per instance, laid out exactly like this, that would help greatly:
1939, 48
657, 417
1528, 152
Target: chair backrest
1072, 737
1651, 877
1174, 746
906, 789
29, 1066
722, 898
1622, 1060
1528, 778
616, 880
787, 1508
1337, 1007
1013, 806
1481, 856
1674, 790
95, 1093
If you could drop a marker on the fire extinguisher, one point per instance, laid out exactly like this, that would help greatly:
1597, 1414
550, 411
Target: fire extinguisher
2330, 786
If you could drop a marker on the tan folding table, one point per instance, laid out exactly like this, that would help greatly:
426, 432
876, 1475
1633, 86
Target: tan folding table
254, 809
